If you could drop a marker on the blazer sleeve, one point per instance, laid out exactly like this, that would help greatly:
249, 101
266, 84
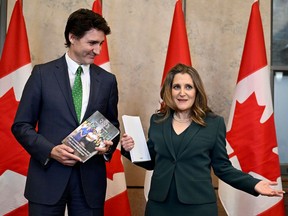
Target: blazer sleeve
223, 168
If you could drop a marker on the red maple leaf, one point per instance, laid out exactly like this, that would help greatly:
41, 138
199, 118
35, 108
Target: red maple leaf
253, 141
115, 165
13, 156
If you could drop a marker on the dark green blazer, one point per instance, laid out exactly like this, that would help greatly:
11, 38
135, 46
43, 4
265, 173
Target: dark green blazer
201, 149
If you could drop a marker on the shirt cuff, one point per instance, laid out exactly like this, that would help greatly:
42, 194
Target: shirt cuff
46, 162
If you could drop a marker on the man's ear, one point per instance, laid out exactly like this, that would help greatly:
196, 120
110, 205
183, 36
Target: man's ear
72, 38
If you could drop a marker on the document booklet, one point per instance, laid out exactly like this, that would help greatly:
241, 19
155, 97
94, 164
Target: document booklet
133, 128
90, 134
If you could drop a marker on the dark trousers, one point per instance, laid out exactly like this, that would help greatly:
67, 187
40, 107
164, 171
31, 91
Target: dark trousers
73, 198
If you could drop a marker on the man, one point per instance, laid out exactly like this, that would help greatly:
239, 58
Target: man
46, 115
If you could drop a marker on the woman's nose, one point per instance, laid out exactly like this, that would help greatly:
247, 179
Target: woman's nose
182, 91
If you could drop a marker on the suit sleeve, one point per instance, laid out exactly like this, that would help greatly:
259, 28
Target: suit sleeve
25, 122
112, 115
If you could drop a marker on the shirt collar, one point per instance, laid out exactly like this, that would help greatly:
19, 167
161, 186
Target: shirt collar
73, 66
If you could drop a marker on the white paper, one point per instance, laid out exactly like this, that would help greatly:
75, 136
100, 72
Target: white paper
133, 128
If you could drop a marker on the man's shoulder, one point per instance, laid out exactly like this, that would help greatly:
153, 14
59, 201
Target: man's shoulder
58, 60
100, 71
55, 62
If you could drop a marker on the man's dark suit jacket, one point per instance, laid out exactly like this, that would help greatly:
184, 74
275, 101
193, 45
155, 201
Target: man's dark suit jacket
201, 149
47, 105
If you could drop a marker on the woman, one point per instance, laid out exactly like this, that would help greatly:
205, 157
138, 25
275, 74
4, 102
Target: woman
185, 140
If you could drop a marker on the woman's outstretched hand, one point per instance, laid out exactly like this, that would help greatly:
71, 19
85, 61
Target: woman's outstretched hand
264, 188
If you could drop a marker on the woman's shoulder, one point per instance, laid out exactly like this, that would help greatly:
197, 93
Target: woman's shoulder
213, 117
158, 118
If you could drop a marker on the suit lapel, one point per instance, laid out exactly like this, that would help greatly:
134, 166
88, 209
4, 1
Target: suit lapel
62, 77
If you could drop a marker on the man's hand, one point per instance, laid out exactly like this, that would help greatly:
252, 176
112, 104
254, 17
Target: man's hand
107, 146
64, 154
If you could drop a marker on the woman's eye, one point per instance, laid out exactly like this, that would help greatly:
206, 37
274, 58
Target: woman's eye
176, 87
189, 87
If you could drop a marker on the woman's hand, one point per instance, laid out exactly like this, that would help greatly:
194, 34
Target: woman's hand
264, 188
127, 142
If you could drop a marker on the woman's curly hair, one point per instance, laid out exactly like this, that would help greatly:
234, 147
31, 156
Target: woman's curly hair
198, 110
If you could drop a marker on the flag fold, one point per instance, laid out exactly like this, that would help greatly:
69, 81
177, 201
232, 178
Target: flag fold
251, 137
178, 52
15, 67
117, 202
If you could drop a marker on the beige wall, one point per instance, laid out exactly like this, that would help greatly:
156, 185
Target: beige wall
138, 45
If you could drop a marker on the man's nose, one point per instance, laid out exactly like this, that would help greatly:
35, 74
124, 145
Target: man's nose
97, 49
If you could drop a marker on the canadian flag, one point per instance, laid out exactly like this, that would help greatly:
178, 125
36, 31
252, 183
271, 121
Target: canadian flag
178, 52
15, 67
178, 46
117, 202
251, 136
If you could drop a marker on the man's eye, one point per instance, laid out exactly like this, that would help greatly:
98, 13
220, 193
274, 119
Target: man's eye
92, 43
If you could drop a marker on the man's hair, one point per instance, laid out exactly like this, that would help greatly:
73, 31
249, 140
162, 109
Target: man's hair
83, 20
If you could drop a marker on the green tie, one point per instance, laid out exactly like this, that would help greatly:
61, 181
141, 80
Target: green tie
77, 93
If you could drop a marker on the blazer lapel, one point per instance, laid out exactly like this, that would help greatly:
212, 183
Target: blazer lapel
192, 130
167, 133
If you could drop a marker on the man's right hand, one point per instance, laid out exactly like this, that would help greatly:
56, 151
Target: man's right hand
64, 154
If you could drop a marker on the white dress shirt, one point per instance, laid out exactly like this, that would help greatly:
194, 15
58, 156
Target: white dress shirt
85, 78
